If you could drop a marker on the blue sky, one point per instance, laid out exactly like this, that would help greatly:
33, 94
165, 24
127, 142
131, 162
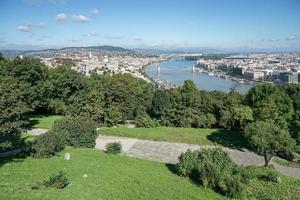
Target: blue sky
33, 24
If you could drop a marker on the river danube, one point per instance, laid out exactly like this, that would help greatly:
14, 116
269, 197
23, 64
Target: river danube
177, 71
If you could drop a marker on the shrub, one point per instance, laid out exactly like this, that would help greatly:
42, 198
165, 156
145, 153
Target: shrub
214, 169
113, 148
77, 131
47, 145
187, 163
232, 187
271, 176
213, 166
246, 175
146, 122
36, 185
58, 181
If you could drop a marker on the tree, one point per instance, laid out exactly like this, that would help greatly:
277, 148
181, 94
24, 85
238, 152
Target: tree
268, 139
62, 85
241, 116
30, 71
90, 102
2, 57
190, 94
13, 107
160, 103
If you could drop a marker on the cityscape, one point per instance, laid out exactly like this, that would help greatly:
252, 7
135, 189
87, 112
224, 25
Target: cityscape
171, 100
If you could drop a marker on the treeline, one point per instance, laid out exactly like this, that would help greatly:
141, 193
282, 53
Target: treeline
27, 86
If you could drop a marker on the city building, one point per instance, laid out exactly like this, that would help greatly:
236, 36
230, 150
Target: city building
288, 77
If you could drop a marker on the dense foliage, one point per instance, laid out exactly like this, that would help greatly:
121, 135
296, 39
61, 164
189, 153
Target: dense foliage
46, 145
268, 139
58, 181
213, 168
113, 148
29, 87
77, 131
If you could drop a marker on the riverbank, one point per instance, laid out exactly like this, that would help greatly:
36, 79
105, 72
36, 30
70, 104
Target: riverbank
157, 83
173, 73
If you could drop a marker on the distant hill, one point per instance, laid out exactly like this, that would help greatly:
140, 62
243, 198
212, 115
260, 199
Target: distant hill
105, 48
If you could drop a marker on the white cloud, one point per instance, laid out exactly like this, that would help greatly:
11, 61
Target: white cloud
292, 38
80, 18
24, 28
93, 33
138, 39
114, 37
95, 12
73, 40
61, 17
40, 25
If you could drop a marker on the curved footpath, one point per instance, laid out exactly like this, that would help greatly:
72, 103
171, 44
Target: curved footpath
168, 152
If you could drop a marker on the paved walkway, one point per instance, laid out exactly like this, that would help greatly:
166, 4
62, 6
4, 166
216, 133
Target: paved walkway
37, 131
169, 152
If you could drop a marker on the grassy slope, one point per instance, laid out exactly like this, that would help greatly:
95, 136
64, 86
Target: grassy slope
109, 177
288, 189
43, 121
184, 135
283, 162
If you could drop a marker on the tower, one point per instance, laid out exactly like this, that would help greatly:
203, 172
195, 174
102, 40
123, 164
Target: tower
90, 55
158, 69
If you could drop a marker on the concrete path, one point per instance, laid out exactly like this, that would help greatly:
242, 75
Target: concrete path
168, 152
37, 131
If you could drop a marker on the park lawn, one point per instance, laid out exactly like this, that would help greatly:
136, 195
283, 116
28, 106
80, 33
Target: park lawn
43, 121
288, 189
108, 177
200, 136
295, 164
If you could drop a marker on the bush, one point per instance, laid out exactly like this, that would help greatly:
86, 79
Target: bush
232, 187
146, 122
113, 148
214, 169
246, 175
77, 131
187, 163
36, 185
47, 145
58, 181
213, 166
271, 176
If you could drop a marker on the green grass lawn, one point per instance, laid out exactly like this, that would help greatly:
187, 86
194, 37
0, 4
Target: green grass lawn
108, 177
184, 135
120, 177
295, 164
43, 121
288, 189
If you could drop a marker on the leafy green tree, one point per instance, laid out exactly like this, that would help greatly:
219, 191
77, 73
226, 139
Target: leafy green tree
113, 115
1, 57
31, 71
242, 115
13, 108
132, 96
268, 139
270, 110
89, 103
190, 94
63, 84
160, 103
260, 92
